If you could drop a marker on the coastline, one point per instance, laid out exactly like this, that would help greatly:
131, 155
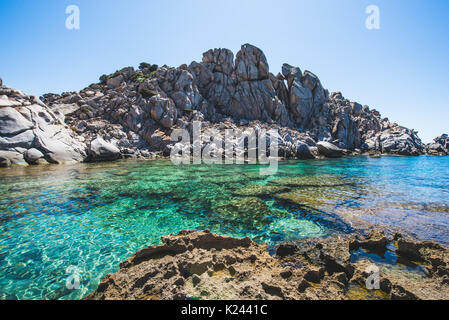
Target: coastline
132, 203
202, 265
167, 158
133, 113
224, 159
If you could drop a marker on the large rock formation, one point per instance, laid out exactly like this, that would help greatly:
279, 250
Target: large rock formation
439, 147
31, 133
240, 89
136, 111
202, 265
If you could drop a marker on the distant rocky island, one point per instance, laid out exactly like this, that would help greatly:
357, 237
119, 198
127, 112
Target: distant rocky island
131, 113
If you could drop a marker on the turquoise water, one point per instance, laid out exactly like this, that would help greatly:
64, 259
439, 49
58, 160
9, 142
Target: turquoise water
94, 216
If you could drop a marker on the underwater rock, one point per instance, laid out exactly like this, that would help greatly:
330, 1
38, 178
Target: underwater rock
303, 197
324, 180
317, 191
427, 206
250, 212
244, 206
257, 190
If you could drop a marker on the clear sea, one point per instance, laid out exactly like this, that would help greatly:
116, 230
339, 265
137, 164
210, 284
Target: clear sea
94, 216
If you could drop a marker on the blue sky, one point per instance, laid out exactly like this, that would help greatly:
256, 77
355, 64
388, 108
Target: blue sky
401, 70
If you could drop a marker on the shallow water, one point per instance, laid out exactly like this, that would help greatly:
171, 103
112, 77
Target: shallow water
94, 216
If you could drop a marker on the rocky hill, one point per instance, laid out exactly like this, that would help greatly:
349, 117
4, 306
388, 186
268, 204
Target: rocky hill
131, 113
439, 147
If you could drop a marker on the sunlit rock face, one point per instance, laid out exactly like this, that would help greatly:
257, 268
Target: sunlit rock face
30, 133
240, 89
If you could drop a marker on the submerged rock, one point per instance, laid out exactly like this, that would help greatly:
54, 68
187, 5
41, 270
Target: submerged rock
246, 212
203, 265
257, 190
317, 198
321, 180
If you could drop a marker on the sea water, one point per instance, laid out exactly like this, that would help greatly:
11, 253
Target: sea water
91, 217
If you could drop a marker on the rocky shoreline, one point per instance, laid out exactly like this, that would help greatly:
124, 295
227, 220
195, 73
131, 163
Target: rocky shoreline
131, 114
203, 265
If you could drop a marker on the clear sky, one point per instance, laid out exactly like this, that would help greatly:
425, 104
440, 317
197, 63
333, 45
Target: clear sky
401, 70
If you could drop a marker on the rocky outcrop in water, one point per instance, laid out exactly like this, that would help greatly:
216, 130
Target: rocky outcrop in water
136, 111
202, 265
439, 147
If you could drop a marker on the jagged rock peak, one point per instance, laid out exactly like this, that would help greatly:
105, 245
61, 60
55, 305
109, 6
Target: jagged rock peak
222, 60
251, 64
